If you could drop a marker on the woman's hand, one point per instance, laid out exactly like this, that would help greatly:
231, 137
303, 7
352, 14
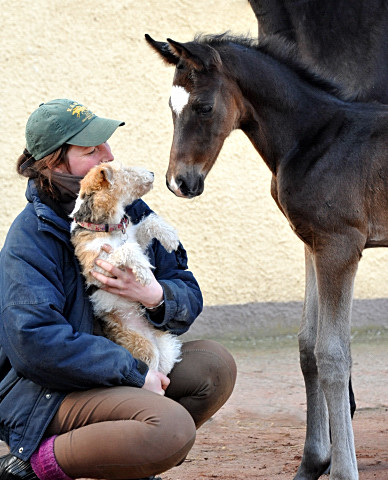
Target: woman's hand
124, 283
156, 382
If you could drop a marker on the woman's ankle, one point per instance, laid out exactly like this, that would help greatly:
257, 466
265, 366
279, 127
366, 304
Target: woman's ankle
44, 463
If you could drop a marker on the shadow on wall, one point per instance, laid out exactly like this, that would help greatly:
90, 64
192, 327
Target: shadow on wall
275, 319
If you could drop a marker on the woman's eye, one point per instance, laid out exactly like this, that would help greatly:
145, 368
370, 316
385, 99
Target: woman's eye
92, 151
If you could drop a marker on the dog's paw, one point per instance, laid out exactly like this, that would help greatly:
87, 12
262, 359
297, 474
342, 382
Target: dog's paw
169, 239
142, 274
154, 226
130, 256
117, 258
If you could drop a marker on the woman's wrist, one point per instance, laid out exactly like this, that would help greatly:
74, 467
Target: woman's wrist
156, 307
157, 300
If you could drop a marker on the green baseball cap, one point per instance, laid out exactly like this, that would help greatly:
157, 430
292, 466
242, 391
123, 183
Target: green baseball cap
65, 121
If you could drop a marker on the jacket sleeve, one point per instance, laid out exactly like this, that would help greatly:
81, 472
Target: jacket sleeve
182, 296
183, 300
36, 334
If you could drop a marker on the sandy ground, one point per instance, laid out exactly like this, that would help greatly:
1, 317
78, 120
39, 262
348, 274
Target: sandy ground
259, 433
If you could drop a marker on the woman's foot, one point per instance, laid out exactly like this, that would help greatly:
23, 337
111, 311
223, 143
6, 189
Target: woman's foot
13, 468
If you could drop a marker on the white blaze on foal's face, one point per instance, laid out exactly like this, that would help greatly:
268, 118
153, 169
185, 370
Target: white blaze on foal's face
179, 99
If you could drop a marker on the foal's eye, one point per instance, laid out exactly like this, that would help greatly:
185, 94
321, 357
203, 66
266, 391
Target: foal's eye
204, 109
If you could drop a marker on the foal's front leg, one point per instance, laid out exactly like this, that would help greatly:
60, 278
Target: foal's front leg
316, 455
336, 268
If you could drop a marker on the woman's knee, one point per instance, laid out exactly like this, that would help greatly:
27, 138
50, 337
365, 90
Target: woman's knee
204, 379
176, 418
176, 431
215, 362
158, 436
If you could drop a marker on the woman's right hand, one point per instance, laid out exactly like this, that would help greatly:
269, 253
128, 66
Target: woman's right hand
156, 382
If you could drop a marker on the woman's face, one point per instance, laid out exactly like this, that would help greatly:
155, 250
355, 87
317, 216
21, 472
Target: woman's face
82, 159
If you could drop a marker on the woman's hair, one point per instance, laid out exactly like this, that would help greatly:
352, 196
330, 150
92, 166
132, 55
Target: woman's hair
41, 169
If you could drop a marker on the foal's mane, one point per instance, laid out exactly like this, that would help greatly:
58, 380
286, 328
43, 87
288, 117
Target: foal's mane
282, 51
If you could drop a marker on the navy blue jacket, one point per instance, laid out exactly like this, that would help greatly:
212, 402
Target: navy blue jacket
47, 345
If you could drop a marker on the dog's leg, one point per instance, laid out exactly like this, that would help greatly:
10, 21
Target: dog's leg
316, 455
169, 347
131, 255
154, 226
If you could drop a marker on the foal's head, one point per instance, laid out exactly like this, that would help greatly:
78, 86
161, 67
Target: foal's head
204, 104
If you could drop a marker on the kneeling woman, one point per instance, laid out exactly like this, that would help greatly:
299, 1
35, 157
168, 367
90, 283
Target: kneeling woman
72, 403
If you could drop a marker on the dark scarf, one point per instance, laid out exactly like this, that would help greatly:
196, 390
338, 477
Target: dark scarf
66, 188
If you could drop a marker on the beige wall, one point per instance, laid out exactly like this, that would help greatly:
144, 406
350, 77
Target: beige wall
240, 247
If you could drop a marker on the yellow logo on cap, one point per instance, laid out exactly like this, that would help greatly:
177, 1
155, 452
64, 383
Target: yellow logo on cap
78, 110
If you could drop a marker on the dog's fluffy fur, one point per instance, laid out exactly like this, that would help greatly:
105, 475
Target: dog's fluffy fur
104, 193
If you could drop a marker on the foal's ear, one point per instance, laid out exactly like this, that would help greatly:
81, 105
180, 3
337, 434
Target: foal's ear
201, 57
163, 49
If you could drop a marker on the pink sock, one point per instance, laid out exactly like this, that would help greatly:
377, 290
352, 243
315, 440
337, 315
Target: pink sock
44, 463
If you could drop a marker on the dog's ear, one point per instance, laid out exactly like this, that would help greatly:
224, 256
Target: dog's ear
97, 178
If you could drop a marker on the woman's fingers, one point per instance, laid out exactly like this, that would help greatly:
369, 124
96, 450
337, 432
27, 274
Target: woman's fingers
107, 248
108, 267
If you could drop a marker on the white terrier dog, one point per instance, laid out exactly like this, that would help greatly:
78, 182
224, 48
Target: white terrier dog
99, 218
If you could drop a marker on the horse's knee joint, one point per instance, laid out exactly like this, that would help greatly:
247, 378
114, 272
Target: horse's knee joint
333, 369
308, 363
306, 355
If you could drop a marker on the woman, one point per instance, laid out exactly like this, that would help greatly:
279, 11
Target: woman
72, 403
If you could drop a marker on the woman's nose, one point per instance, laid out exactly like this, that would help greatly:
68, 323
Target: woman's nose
106, 152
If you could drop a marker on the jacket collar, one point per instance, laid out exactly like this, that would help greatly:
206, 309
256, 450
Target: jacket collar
45, 214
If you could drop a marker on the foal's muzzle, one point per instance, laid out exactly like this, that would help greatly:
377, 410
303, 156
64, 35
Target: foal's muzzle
187, 186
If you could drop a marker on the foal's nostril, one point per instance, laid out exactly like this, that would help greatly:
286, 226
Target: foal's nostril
190, 186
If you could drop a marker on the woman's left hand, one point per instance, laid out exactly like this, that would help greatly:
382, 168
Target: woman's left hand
123, 282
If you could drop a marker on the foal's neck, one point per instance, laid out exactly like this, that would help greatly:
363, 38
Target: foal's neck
279, 107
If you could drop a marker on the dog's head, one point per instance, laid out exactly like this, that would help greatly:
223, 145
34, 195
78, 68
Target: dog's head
107, 188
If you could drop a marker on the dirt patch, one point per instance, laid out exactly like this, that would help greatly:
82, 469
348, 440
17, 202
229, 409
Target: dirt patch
259, 433
241, 447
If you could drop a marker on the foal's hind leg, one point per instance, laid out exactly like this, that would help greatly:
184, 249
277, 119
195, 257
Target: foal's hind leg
316, 456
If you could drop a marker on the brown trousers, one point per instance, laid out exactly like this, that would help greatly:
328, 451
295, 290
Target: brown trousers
130, 433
